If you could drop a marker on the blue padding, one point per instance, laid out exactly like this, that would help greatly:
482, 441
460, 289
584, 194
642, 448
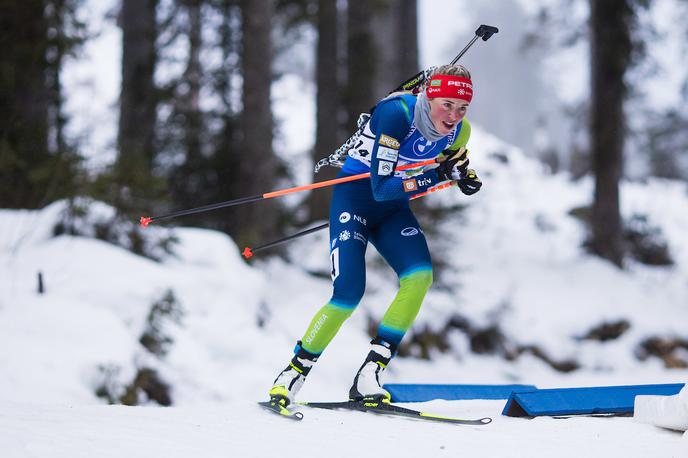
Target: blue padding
581, 401
402, 392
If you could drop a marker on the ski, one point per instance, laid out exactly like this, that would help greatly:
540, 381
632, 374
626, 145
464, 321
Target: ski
384, 408
278, 409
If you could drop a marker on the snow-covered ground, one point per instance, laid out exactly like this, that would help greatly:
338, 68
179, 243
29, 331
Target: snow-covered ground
239, 429
513, 260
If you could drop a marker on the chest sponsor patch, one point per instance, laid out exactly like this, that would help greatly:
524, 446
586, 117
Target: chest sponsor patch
387, 154
386, 140
385, 168
410, 185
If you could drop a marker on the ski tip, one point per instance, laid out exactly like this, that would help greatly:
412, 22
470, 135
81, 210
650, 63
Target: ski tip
282, 411
247, 253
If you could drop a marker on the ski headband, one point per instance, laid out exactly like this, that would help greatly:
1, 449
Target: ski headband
450, 86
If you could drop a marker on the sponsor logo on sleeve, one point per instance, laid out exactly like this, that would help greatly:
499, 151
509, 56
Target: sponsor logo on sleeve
344, 236
386, 140
424, 182
410, 185
387, 154
344, 217
385, 168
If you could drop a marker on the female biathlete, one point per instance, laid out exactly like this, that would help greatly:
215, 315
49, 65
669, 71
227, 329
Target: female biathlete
403, 129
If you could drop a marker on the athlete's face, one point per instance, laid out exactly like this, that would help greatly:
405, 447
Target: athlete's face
446, 113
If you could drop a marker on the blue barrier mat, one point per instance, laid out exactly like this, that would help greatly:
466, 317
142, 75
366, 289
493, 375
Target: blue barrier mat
402, 392
582, 401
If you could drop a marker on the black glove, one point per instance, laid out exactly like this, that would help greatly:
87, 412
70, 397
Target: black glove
454, 166
469, 183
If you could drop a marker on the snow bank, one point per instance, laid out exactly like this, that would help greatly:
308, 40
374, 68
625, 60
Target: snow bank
665, 411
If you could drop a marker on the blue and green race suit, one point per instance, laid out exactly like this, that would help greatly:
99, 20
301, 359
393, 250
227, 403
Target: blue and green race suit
377, 211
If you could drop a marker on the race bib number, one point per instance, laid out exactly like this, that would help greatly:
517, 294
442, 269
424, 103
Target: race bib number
334, 264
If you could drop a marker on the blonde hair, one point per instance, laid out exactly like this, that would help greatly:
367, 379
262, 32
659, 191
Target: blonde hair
448, 69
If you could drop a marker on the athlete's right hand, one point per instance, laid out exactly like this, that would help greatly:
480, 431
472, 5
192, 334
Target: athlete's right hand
454, 166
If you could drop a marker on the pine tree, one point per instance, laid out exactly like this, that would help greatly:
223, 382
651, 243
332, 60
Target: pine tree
257, 164
327, 138
361, 61
133, 169
37, 165
611, 47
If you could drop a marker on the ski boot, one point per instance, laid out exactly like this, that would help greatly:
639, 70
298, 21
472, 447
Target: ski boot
367, 384
291, 379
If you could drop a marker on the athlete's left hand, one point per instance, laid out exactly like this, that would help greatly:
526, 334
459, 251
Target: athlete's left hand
469, 183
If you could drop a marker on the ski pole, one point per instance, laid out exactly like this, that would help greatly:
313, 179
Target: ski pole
146, 220
249, 252
439, 187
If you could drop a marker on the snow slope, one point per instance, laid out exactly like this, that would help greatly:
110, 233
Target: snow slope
239, 429
513, 260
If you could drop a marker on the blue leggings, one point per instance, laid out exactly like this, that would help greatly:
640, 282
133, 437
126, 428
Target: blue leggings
356, 219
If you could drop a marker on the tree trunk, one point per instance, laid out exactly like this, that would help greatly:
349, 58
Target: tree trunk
408, 40
138, 103
610, 54
188, 183
361, 63
327, 105
256, 222
395, 32
225, 182
24, 99
192, 76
